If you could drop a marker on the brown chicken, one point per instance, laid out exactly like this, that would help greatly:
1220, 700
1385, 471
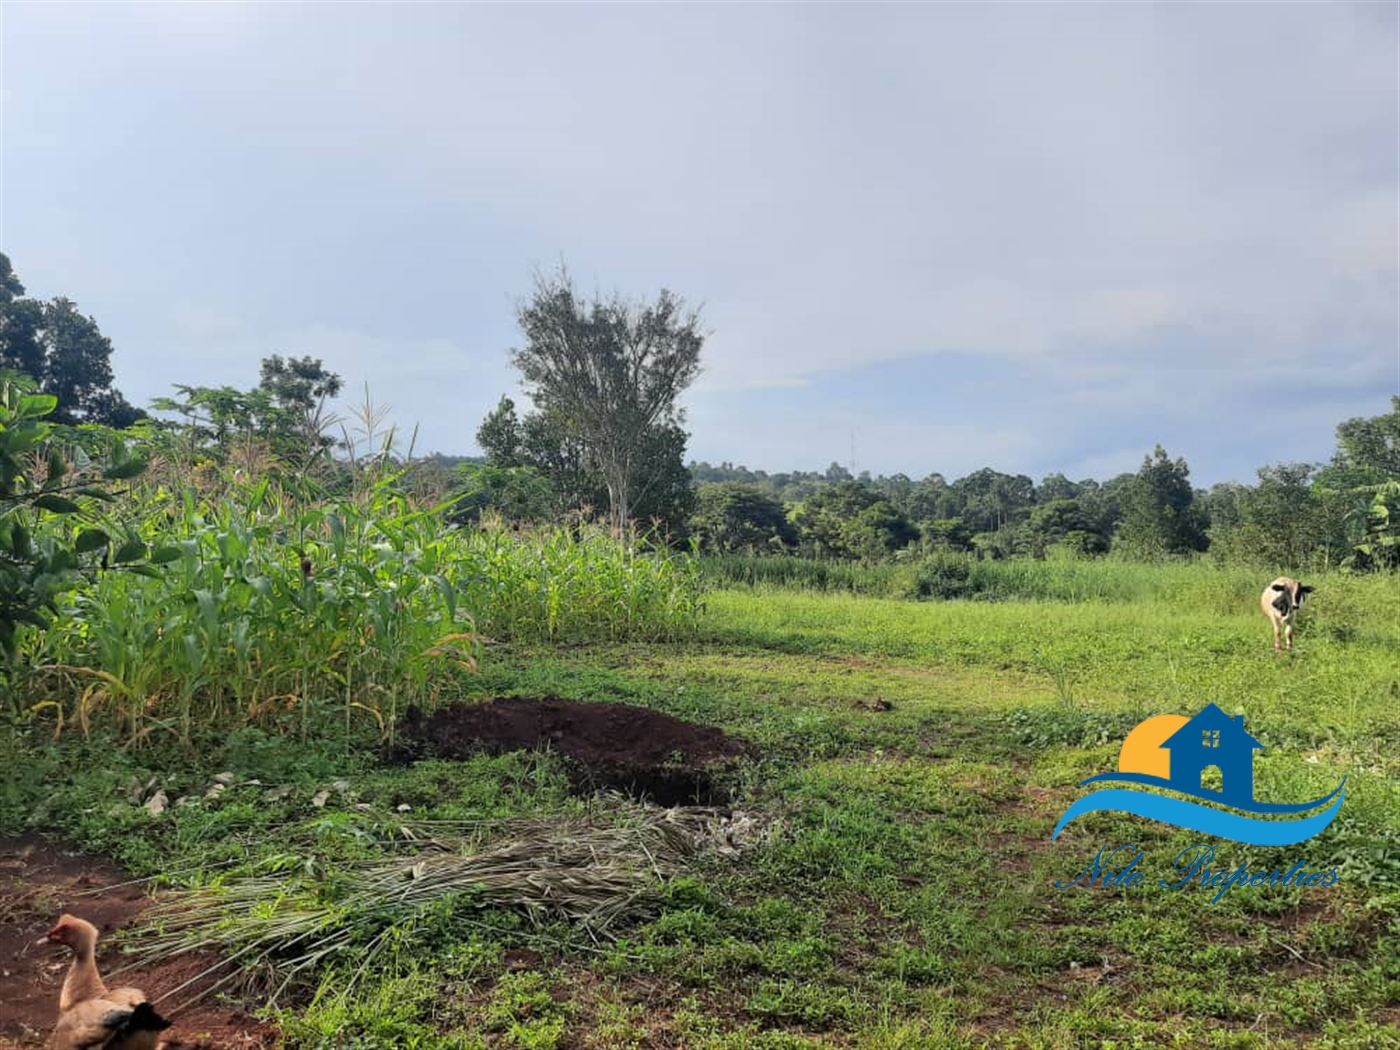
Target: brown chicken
91, 1016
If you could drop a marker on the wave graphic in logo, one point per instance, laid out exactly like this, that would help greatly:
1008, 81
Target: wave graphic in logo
1170, 751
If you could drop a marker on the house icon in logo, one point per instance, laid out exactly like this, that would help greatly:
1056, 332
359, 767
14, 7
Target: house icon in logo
1213, 739
1172, 752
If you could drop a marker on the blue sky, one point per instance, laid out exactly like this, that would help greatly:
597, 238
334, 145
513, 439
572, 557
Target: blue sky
1030, 236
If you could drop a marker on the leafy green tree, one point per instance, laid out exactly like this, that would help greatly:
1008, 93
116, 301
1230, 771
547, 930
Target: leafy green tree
517, 494
1280, 522
849, 520
70, 357
10, 286
1059, 522
664, 495
992, 500
995, 546
216, 418
820, 520
730, 517
1159, 515
1221, 506
544, 442
1105, 502
280, 423
1363, 482
1055, 487
945, 534
297, 389
610, 372
551, 446
63, 351
22, 337
500, 436
1377, 545
1372, 445
877, 532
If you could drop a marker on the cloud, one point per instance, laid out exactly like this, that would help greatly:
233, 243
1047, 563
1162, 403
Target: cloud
432, 385
1118, 207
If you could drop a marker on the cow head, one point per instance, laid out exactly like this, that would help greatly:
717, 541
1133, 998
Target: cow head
1290, 598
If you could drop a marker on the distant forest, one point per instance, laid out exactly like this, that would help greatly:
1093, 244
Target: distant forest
606, 441
1298, 515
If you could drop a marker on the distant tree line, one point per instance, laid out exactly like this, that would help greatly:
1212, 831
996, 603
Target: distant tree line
605, 439
1344, 512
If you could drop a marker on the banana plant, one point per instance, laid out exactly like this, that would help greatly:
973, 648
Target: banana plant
1378, 545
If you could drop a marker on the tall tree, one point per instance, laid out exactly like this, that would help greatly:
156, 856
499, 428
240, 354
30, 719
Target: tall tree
298, 388
499, 435
63, 351
1159, 516
10, 286
611, 371
1371, 445
280, 423
731, 516
664, 497
1363, 481
1055, 487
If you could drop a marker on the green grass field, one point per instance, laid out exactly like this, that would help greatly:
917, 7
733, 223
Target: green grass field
907, 897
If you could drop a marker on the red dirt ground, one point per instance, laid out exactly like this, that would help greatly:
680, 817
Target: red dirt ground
38, 881
633, 749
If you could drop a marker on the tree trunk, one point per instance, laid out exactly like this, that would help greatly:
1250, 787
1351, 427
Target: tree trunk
618, 494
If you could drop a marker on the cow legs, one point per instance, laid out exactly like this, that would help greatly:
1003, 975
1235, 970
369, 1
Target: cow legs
1288, 633
1278, 647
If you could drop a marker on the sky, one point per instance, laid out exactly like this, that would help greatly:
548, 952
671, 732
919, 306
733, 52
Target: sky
922, 237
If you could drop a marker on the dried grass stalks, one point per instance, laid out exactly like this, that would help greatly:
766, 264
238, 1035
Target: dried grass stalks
272, 928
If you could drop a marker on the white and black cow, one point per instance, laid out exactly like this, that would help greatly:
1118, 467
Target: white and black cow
1281, 601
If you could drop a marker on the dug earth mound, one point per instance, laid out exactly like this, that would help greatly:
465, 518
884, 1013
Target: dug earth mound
644, 753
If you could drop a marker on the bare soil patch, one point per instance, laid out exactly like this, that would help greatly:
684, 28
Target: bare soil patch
645, 753
40, 880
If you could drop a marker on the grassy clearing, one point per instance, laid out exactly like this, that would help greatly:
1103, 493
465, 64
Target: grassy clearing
908, 897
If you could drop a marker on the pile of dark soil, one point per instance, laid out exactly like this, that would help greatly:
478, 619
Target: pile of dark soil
644, 753
38, 881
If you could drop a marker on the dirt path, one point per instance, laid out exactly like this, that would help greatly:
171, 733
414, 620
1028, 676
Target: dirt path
38, 881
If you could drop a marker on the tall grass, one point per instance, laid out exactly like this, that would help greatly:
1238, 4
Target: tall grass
280, 613
1203, 584
805, 574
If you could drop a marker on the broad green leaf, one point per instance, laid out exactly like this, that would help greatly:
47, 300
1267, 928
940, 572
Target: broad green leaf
57, 504
129, 551
25, 438
165, 555
90, 540
32, 406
